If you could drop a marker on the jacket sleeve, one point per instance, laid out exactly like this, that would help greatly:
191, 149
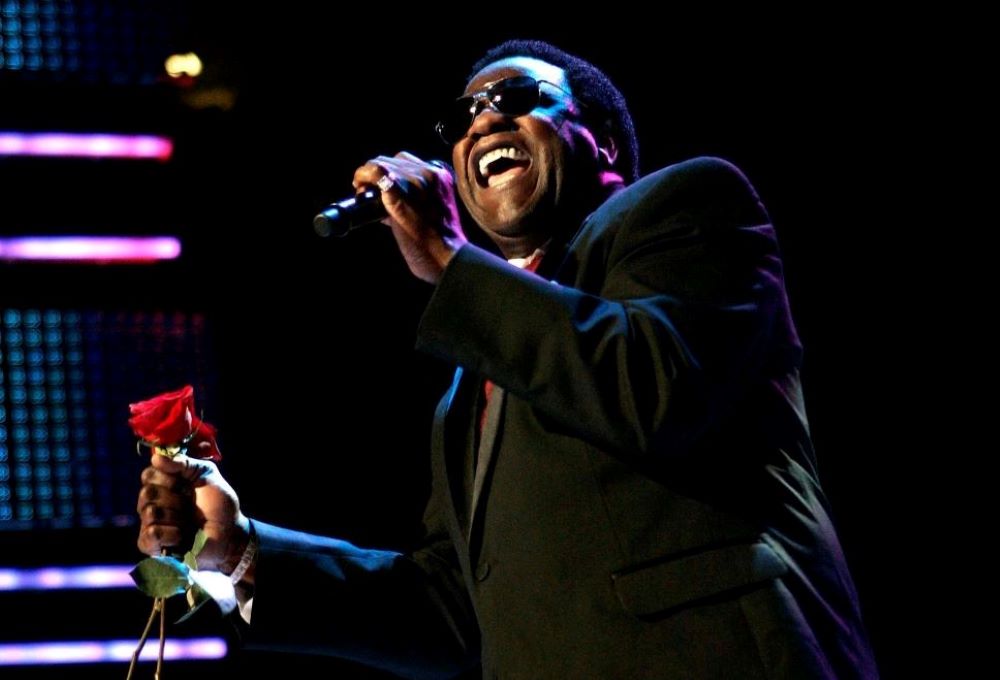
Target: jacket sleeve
407, 614
672, 314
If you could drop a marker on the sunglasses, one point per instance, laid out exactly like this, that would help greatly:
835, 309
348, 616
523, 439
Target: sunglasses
511, 96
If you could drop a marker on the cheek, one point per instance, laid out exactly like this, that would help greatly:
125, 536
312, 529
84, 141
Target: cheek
460, 168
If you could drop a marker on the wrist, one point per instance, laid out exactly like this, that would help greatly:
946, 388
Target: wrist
242, 553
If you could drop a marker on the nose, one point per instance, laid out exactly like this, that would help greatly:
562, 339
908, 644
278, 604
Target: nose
488, 121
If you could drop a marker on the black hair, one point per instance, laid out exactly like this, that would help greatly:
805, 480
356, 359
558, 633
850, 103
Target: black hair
606, 110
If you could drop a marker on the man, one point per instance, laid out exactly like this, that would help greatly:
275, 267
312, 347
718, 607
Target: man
623, 483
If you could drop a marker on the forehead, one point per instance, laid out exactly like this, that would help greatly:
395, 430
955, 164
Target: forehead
517, 66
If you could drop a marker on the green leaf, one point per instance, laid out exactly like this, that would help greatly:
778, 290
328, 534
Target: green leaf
196, 598
161, 576
190, 560
199, 542
218, 586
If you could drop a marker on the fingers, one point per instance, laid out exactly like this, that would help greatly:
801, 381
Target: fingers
397, 174
190, 469
172, 482
164, 497
166, 516
153, 538
165, 505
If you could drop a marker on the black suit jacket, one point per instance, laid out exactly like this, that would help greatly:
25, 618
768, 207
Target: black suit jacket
642, 501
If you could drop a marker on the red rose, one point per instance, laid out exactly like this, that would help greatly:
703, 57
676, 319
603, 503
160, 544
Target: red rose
169, 420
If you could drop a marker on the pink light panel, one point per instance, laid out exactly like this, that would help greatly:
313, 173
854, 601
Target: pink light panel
90, 249
86, 145
66, 578
106, 651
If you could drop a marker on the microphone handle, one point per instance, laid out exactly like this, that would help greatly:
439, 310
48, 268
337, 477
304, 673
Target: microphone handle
341, 218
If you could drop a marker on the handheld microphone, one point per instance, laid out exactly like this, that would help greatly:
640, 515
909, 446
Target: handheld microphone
338, 219
343, 217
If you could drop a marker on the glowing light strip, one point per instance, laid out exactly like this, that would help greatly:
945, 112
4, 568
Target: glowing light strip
86, 145
90, 248
106, 651
66, 578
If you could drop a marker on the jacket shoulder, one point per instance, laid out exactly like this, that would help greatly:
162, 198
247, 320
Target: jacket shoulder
692, 184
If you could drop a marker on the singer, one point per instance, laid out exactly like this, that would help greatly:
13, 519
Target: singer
624, 484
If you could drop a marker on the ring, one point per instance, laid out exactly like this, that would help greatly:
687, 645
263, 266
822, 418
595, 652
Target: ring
386, 182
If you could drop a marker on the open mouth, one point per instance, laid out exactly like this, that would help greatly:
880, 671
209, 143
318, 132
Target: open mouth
500, 165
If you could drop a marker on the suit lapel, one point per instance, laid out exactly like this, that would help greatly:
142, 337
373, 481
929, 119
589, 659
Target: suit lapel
486, 451
454, 442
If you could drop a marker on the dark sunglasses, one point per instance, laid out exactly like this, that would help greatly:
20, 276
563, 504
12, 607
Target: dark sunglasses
511, 96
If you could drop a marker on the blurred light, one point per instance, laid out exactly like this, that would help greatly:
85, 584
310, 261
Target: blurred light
106, 651
85, 145
66, 578
179, 65
92, 249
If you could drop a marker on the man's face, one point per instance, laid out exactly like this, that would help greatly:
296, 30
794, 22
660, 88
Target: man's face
517, 174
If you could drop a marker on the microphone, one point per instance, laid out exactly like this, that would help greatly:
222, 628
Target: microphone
338, 219
343, 217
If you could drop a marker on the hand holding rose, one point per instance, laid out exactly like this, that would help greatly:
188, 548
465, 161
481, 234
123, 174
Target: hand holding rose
183, 490
181, 495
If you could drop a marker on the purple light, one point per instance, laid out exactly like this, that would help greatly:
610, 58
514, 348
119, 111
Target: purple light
92, 249
106, 651
85, 145
66, 578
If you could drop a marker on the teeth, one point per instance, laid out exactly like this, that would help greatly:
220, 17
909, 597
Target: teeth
496, 154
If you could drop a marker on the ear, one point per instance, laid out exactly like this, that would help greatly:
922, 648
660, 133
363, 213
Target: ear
607, 149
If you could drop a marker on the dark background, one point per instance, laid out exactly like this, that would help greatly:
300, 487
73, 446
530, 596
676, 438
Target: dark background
323, 406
